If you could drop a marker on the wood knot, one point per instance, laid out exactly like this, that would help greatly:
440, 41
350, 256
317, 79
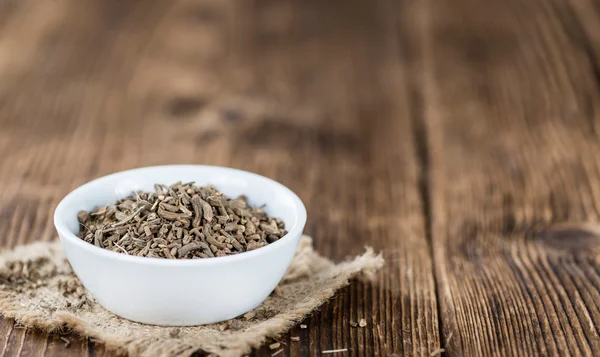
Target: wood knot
185, 106
207, 137
571, 236
231, 115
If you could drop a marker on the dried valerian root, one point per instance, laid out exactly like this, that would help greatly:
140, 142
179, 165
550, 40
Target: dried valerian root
26, 275
182, 221
275, 345
73, 289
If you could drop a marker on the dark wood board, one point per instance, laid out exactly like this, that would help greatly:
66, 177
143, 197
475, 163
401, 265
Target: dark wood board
459, 138
513, 179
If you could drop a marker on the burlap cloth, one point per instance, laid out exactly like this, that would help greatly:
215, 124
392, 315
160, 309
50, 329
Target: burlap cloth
39, 289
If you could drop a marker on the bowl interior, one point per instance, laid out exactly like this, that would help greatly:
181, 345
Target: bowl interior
279, 201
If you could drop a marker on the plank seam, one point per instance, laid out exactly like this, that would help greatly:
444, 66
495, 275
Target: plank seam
421, 148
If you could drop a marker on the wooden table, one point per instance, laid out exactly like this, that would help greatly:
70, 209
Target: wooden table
461, 138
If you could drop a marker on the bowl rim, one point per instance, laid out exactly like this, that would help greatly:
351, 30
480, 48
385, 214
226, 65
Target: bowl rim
295, 231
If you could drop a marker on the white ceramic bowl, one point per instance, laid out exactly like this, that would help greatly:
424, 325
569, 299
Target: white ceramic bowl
180, 292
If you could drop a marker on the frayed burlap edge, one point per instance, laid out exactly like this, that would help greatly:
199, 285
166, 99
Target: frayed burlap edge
33, 279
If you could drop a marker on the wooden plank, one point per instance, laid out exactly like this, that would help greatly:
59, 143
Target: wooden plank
48, 57
356, 156
581, 20
68, 345
513, 174
34, 343
16, 339
582, 17
6, 330
314, 94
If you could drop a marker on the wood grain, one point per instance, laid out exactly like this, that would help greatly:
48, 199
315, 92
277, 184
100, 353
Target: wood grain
460, 138
316, 95
512, 146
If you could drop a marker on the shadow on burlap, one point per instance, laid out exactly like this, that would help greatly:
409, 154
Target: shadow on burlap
39, 289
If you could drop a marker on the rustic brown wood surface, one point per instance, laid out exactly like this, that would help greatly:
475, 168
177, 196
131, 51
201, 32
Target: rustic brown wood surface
460, 138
